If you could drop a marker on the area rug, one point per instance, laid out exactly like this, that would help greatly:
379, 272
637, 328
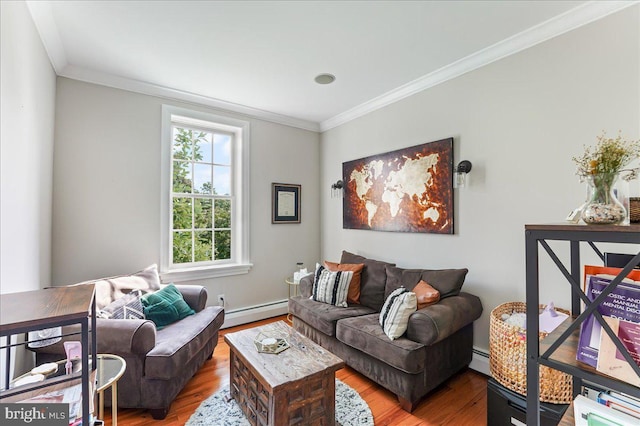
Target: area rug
220, 409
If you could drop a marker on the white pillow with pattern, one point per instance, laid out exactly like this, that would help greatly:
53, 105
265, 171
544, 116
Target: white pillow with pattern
331, 287
395, 313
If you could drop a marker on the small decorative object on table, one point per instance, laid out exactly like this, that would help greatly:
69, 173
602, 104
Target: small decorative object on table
299, 272
601, 168
74, 351
270, 343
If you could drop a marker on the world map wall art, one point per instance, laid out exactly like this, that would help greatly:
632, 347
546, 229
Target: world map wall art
408, 190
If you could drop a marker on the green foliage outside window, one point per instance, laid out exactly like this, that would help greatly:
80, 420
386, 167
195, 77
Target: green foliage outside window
197, 220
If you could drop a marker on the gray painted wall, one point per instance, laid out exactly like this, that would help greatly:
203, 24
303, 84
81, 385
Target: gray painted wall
106, 210
519, 121
28, 87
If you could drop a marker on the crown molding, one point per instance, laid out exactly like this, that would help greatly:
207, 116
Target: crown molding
586, 13
568, 21
42, 17
131, 85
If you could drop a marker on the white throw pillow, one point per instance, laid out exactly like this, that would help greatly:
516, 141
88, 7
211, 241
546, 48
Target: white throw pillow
113, 288
395, 313
331, 287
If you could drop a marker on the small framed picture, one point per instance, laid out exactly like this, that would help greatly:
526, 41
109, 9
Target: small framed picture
285, 202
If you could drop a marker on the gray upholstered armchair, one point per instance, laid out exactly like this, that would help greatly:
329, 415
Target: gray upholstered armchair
159, 362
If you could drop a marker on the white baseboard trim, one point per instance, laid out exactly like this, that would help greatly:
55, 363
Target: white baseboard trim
480, 361
255, 313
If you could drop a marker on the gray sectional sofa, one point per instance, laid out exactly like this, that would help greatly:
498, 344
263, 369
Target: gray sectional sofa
439, 338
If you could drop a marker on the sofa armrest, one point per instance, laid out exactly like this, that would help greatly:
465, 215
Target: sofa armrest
306, 286
114, 336
436, 322
195, 296
122, 336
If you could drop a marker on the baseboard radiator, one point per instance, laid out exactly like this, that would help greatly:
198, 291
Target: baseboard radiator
255, 313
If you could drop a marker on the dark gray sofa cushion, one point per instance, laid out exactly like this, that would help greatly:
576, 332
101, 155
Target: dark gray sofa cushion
324, 316
365, 334
178, 343
447, 281
437, 322
373, 281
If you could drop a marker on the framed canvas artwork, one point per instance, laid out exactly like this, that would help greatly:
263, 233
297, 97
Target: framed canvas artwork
408, 190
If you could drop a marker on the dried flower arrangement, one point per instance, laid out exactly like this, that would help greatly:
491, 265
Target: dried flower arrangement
610, 156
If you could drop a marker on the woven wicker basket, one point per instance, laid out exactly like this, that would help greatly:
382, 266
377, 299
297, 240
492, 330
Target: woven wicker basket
508, 358
634, 209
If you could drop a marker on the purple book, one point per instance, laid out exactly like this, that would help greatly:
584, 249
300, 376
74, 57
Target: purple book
622, 303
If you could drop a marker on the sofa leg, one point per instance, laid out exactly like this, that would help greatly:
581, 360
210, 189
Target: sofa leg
407, 405
210, 356
159, 413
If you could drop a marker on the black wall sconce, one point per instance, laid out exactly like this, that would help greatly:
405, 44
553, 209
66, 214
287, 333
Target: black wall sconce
337, 189
461, 174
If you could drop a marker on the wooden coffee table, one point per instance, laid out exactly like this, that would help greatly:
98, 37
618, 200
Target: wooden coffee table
296, 386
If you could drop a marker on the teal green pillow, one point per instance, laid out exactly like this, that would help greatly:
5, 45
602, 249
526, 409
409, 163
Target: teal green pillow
165, 306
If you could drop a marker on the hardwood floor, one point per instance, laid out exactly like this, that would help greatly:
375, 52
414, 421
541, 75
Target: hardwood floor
460, 401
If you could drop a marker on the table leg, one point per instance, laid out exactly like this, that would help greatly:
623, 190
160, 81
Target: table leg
114, 403
101, 405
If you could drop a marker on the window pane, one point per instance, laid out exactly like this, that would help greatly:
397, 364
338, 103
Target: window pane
182, 177
182, 143
202, 212
222, 212
204, 246
222, 180
223, 245
222, 149
202, 178
182, 213
181, 247
203, 148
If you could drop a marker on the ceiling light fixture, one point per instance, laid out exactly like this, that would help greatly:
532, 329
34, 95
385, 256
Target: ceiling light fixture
325, 78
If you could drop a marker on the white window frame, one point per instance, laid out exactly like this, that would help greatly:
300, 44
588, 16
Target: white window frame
240, 256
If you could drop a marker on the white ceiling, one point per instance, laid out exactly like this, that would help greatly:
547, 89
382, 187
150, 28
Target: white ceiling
260, 57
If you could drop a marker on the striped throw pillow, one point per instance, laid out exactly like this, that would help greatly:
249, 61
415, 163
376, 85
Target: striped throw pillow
331, 287
394, 316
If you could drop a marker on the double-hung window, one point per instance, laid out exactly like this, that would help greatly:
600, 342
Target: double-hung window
205, 185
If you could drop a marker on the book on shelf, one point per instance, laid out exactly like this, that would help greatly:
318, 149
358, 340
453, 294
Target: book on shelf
610, 360
620, 402
591, 413
623, 303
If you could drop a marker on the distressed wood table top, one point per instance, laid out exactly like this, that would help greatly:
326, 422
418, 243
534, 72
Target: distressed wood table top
302, 359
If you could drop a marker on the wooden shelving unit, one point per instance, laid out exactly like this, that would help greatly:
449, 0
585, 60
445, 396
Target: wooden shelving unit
558, 350
51, 307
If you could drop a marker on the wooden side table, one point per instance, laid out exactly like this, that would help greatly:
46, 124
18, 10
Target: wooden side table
110, 369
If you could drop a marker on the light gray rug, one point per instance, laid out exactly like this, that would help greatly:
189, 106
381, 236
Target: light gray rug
219, 409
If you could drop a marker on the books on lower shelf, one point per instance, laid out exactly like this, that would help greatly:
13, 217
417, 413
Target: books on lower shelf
623, 303
620, 402
587, 412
